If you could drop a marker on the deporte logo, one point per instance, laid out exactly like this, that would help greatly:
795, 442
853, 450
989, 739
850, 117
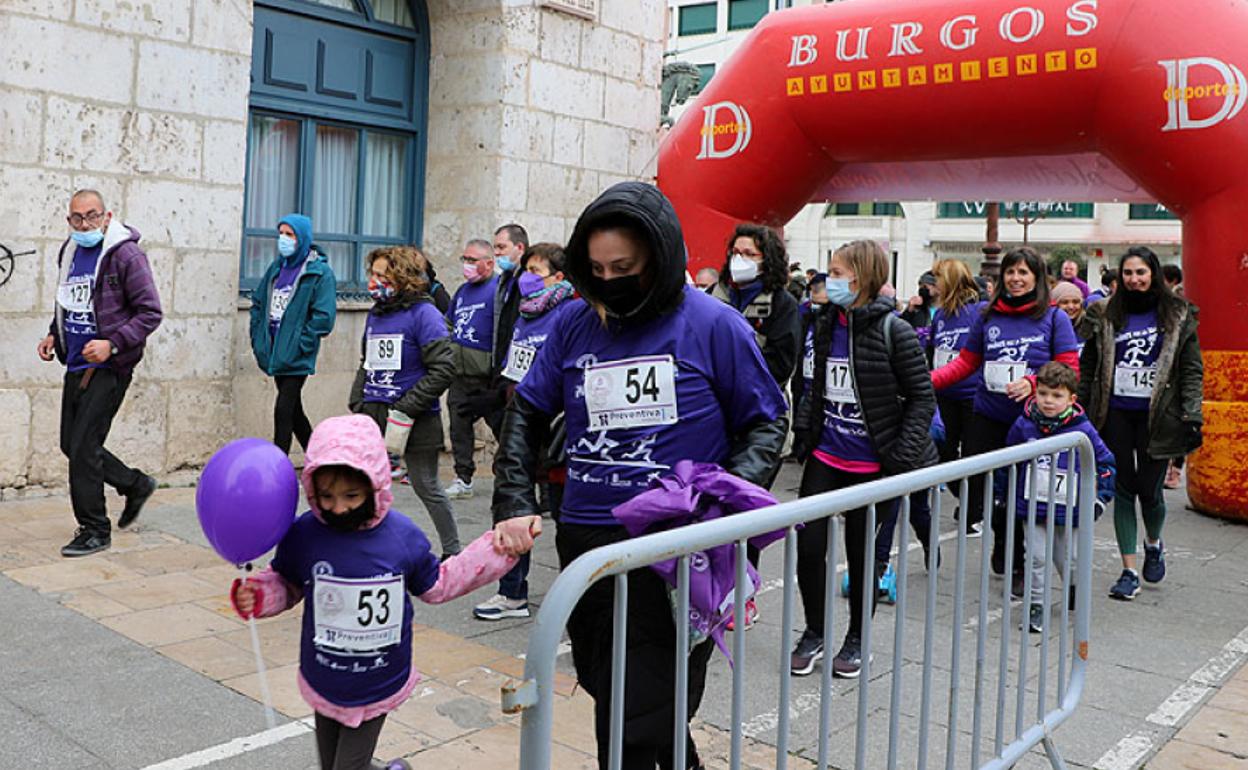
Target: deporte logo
723, 139
1191, 84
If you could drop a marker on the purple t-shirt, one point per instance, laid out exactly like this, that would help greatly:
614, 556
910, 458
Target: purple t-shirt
844, 435
529, 336
76, 296
1136, 348
472, 314
392, 345
949, 333
357, 618
279, 297
1013, 346
640, 398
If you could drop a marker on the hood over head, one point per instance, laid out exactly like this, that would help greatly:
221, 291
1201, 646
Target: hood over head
303, 231
354, 441
641, 207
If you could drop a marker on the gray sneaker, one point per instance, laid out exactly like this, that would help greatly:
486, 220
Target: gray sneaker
809, 650
459, 489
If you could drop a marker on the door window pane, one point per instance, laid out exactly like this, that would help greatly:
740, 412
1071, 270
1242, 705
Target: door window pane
258, 252
697, 19
336, 180
340, 255
272, 171
346, 5
385, 184
393, 12
707, 71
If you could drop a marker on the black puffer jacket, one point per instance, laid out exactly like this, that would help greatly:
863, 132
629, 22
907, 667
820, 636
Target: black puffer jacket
753, 455
895, 391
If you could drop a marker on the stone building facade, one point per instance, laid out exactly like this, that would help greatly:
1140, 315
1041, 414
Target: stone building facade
530, 113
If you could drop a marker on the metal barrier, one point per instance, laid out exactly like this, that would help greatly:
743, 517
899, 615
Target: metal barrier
535, 695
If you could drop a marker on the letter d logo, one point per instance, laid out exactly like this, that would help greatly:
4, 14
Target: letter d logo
740, 129
1177, 91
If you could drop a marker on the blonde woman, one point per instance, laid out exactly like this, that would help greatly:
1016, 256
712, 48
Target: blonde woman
958, 305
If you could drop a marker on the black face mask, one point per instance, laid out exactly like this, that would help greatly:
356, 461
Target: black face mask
1020, 300
352, 519
622, 296
925, 294
1139, 301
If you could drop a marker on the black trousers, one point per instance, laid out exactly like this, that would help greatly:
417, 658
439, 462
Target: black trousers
460, 398
88, 405
988, 435
956, 414
812, 546
347, 748
650, 668
288, 416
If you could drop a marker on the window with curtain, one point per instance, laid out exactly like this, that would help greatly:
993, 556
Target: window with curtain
744, 14
698, 19
349, 156
707, 71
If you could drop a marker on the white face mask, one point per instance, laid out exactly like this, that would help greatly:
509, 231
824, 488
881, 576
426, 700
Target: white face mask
743, 269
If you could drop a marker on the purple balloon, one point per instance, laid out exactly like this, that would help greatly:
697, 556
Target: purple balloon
247, 497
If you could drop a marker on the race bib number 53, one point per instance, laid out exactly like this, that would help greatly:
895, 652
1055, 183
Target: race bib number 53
633, 393
357, 614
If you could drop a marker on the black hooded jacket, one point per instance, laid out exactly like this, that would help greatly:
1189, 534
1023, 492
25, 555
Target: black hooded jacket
753, 455
893, 387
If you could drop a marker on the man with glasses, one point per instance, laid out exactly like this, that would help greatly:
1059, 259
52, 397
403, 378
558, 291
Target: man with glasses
472, 396
106, 307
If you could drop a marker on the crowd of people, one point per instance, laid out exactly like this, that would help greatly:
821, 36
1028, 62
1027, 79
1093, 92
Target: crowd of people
598, 366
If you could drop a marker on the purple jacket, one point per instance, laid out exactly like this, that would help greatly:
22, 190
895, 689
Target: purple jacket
696, 492
127, 307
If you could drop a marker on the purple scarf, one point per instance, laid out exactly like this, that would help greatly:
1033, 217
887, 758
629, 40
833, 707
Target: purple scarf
540, 303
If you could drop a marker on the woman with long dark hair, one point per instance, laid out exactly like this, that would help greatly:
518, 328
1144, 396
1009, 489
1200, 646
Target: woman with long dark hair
1015, 334
1142, 389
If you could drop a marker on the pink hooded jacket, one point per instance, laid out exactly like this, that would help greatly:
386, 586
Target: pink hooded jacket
356, 442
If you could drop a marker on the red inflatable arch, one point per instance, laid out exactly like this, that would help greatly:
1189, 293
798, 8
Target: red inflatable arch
983, 99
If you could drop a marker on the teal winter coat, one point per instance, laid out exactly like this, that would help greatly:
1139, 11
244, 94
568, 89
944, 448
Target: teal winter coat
309, 315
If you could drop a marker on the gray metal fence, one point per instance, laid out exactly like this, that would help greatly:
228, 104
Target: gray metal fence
993, 743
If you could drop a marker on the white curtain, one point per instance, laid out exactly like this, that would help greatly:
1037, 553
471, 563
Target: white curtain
334, 191
272, 185
346, 5
385, 185
393, 12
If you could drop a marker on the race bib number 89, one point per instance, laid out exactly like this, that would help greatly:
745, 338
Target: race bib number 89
633, 393
384, 352
358, 614
998, 374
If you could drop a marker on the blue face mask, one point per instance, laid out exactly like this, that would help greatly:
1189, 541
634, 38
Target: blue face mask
286, 246
505, 264
839, 293
87, 239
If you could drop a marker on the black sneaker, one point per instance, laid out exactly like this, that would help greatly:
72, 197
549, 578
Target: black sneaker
1154, 562
1016, 585
998, 561
135, 500
1035, 618
1070, 603
808, 651
1127, 587
85, 543
848, 662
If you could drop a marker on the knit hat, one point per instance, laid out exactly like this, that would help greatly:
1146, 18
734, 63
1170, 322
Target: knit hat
1064, 290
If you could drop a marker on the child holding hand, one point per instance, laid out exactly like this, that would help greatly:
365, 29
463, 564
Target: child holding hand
357, 561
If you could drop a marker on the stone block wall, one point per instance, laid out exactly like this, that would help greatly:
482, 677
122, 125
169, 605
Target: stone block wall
147, 102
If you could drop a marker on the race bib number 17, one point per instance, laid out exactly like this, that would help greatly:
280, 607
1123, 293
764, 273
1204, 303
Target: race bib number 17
633, 393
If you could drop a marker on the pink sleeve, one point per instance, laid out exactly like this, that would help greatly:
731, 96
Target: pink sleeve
477, 565
273, 593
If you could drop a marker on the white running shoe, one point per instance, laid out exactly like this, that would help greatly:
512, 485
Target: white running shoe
459, 489
498, 607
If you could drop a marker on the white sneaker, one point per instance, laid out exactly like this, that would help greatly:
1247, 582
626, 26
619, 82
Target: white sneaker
459, 489
498, 607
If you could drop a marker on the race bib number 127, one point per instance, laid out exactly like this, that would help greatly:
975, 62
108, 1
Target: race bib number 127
632, 393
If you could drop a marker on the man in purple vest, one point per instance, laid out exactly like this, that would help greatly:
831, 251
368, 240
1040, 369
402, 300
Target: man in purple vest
106, 307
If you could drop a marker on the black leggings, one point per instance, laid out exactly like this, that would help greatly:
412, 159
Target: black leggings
956, 414
347, 748
987, 435
812, 545
288, 416
650, 665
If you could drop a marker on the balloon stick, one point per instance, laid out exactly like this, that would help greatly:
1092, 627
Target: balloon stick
269, 718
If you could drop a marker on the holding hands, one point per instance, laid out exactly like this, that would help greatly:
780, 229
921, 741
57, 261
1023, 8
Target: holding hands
514, 537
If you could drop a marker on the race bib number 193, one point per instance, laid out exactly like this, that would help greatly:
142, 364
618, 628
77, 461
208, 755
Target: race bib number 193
632, 393
519, 360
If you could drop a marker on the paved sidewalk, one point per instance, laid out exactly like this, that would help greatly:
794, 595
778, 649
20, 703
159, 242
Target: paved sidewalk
1216, 738
157, 595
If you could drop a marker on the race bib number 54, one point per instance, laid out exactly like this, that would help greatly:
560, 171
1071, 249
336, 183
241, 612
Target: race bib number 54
358, 614
632, 393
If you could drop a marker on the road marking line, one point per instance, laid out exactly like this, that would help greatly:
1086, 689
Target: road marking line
770, 720
1132, 750
237, 746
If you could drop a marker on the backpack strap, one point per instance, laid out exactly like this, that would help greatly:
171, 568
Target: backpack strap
889, 319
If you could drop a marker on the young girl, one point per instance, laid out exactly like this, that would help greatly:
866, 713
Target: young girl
407, 363
357, 561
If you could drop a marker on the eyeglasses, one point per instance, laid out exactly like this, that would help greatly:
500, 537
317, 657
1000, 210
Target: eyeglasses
746, 254
467, 260
90, 218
